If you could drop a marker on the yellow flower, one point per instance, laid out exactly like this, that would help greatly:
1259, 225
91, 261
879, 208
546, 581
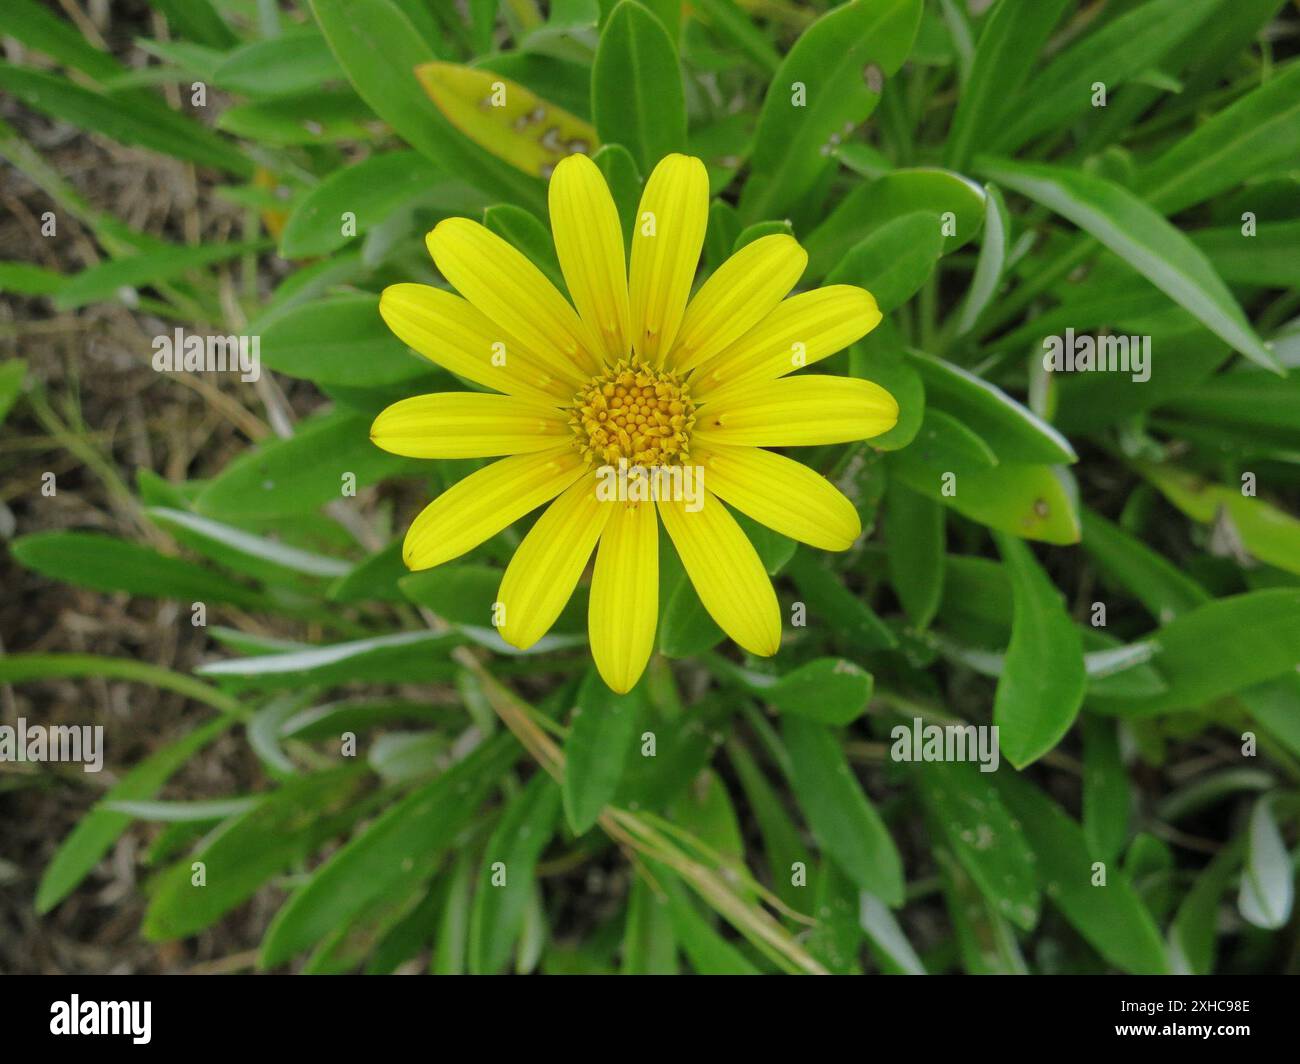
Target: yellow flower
638, 379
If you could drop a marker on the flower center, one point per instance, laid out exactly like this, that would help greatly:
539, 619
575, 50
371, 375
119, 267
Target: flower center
635, 413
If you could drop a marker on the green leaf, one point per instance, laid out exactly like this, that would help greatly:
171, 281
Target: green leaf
198, 21
375, 578
372, 190
1114, 55
847, 828
983, 836
636, 87
523, 231
105, 563
330, 720
781, 839
708, 952
1163, 588
986, 941
405, 657
343, 341
992, 261
1111, 918
379, 49
602, 736
1106, 795
837, 938
243, 551
1010, 40
424, 823
901, 192
462, 593
1015, 433
832, 603
1142, 238
24, 279
649, 947
1220, 648
842, 62
1030, 501
1248, 402
704, 810
827, 690
1258, 133
685, 627
1266, 258
894, 260
1268, 879
1270, 534
322, 117
38, 28
285, 827
497, 915
735, 27
887, 937
293, 62
753, 232
95, 834
624, 181
914, 545
879, 357
451, 943
183, 812
563, 81
127, 121
306, 470
1043, 677
1195, 927
136, 271
945, 442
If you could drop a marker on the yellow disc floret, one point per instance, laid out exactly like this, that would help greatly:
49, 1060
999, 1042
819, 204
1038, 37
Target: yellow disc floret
635, 413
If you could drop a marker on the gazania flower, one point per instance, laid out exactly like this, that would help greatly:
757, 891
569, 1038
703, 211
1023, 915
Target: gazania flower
634, 376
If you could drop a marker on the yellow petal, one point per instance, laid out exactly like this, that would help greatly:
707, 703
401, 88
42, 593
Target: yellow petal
801, 330
781, 493
545, 569
666, 242
468, 425
624, 605
727, 573
446, 330
797, 412
515, 295
589, 242
485, 502
739, 295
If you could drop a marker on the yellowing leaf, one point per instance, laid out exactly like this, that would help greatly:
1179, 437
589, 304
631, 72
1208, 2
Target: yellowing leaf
1270, 534
505, 118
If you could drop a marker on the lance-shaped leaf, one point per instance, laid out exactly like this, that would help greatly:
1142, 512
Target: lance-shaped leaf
636, 86
503, 117
1043, 677
1141, 237
829, 83
1268, 880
